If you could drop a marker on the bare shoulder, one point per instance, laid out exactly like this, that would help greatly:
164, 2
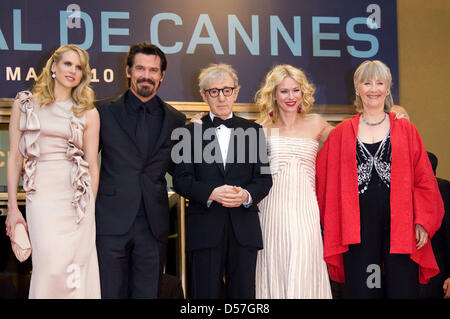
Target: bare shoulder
316, 120
92, 113
315, 117
321, 126
92, 116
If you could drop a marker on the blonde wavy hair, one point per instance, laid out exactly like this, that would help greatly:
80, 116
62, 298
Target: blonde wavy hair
265, 96
82, 94
369, 70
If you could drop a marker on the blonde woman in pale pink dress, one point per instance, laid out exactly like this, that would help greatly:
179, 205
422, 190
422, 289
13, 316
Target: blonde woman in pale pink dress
291, 264
56, 129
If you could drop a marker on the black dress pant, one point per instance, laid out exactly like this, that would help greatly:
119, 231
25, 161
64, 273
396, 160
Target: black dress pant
208, 266
398, 273
370, 270
131, 265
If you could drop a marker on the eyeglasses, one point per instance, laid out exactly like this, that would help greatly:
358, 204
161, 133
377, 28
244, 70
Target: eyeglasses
214, 92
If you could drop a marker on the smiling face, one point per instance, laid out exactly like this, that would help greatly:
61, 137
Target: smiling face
288, 95
372, 81
145, 75
68, 70
373, 93
221, 105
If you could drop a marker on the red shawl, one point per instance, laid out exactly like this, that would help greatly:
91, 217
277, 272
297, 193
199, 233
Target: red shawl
415, 197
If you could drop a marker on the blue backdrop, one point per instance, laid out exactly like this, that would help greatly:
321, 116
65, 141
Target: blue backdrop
328, 39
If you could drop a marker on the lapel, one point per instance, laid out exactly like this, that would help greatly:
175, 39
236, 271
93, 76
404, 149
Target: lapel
231, 154
167, 123
119, 112
207, 123
232, 147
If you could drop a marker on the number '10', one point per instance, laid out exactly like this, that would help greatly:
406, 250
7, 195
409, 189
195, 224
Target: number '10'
108, 76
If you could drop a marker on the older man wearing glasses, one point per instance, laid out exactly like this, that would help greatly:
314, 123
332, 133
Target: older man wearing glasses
223, 232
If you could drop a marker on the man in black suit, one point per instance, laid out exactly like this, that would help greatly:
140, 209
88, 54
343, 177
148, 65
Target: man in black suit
439, 286
223, 179
132, 210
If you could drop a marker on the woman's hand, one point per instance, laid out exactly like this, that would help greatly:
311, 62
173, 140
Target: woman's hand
446, 288
421, 236
14, 216
197, 118
13, 171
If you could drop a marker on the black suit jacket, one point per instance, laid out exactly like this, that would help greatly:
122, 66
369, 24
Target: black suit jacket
196, 181
126, 176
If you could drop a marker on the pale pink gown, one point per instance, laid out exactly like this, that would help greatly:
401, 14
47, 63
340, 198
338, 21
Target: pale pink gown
60, 204
291, 265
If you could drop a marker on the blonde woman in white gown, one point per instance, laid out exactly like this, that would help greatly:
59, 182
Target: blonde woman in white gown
291, 264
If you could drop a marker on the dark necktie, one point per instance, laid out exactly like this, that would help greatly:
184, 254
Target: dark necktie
142, 132
217, 121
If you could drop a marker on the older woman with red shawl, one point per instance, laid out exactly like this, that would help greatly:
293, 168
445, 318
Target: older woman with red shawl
378, 197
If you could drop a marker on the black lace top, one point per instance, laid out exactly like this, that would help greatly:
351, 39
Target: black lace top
373, 163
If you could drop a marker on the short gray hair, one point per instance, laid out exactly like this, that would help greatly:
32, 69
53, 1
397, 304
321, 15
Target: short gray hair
369, 70
216, 71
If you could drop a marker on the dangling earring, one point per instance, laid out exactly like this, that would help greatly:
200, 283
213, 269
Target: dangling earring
274, 103
299, 109
357, 94
53, 75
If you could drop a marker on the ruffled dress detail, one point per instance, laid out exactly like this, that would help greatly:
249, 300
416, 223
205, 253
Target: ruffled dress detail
29, 148
80, 172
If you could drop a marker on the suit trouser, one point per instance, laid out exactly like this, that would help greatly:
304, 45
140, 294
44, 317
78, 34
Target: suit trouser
131, 265
207, 267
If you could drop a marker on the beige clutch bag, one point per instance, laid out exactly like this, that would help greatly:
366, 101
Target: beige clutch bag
21, 245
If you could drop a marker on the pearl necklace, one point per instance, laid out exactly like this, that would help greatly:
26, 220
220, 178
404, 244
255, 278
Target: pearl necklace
373, 124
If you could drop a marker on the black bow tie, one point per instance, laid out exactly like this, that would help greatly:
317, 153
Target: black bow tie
217, 121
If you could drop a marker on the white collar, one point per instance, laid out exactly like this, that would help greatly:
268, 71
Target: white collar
212, 116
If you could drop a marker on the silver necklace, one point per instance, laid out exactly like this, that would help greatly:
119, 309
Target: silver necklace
373, 124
